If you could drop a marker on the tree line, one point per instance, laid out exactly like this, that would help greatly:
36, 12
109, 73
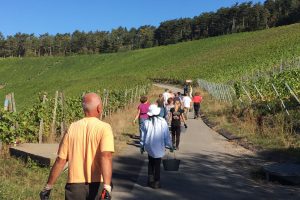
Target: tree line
242, 17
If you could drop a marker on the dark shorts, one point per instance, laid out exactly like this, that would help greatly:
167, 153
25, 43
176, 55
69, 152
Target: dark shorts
83, 191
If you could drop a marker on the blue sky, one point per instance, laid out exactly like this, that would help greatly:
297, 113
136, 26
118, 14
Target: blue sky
61, 16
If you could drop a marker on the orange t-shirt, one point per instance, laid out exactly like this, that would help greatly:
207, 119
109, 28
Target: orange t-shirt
82, 147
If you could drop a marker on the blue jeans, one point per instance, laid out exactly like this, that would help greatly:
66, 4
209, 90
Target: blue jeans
141, 121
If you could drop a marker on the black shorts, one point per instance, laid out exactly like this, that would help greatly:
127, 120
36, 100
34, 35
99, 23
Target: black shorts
83, 191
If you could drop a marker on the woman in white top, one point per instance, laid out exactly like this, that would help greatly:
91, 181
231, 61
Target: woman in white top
187, 102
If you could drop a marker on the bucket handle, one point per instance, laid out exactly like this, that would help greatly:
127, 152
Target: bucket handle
169, 154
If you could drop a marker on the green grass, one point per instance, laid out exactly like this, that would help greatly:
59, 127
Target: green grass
216, 59
24, 181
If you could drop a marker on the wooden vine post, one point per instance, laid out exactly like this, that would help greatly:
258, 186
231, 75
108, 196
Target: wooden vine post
41, 129
62, 123
53, 127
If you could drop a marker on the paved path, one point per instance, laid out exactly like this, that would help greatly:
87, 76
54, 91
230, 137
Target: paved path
211, 168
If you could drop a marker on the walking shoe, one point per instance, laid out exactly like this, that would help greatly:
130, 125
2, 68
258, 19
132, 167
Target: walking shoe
156, 185
150, 180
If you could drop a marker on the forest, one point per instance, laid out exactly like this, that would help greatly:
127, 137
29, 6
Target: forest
242, 17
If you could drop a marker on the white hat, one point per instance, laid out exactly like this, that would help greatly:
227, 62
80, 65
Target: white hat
153, 110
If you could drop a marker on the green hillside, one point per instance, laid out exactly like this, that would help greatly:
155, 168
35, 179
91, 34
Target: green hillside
216, 59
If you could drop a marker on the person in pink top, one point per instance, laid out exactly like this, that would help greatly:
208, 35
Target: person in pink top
143, 109
197, 99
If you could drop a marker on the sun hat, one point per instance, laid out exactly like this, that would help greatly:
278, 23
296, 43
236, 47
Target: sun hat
153, 110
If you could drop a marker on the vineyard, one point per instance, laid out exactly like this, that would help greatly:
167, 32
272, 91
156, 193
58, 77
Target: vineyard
217, 59
49, 118
41, 109
269, 97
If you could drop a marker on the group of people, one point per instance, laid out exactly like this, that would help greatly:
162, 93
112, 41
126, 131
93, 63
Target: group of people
156, 121
88, 145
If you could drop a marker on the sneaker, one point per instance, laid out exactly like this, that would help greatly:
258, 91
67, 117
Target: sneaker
150, 180
156, 185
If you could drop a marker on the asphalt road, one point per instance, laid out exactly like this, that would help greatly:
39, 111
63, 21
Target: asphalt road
211, 168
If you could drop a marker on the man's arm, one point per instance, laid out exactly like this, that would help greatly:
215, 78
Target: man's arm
106, 166
167, 138
56, 170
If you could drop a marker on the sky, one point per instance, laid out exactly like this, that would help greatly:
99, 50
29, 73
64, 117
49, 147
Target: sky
62, 16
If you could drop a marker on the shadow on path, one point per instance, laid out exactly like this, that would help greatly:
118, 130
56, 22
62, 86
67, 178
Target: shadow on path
212, 176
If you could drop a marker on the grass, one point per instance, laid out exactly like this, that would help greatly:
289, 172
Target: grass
275, 136
217, 59
19, 180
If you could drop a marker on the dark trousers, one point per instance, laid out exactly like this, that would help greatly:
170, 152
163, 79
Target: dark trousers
197, 109
175, 130
154, 168
83, 191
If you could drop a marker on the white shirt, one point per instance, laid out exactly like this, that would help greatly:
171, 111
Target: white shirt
186, 101
166, 96
155, 136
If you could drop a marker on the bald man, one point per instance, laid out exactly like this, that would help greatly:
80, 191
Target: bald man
87, 147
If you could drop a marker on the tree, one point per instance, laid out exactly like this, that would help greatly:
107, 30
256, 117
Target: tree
2, 45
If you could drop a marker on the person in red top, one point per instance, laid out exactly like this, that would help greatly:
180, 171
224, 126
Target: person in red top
197, 99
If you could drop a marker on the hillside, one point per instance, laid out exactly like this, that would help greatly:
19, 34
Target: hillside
217, 59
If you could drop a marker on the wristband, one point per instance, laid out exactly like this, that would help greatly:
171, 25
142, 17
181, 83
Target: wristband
107, 187
48, 187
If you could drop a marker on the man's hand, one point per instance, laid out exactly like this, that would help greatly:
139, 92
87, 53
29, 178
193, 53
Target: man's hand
45, 193
185, 126
142, 149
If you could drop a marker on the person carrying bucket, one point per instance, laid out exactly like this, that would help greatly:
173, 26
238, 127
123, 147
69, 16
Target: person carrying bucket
154, 139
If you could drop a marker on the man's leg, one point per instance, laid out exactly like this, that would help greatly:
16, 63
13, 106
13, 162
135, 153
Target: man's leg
95, 190
150, 170
157, 169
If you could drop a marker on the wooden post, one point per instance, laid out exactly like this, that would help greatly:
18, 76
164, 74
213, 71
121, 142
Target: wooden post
62, 123
14, 109
282, 103
125, 98
41, 130
53, 128
292, 92
9, 103
6, 103
132, 93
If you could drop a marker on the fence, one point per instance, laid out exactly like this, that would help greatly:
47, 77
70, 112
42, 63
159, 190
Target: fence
249, 93
277, 69
221, 92
56, 113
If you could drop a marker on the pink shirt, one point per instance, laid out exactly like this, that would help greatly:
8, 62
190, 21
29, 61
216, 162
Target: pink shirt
144, 108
